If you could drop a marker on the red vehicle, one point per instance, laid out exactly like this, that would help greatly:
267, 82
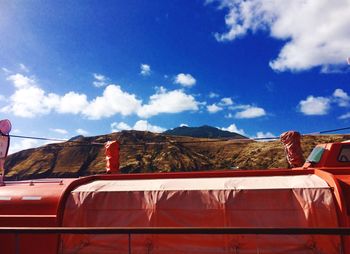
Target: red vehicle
315, 195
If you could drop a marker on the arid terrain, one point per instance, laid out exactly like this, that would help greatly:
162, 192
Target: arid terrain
149, 152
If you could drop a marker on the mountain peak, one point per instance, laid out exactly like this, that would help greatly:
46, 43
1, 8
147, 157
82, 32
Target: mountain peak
204, 131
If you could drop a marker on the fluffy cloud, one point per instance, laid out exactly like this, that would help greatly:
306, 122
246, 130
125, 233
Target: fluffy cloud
315, 105
226, 101
321, 105
186, 80
213, 108
315, 32
99, 80
250, 112
145, 69
113, 101
30, 100
341, 98
141, 125
164, 101
233, 128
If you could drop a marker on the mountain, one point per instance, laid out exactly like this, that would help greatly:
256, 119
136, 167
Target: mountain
142, 152
204, 131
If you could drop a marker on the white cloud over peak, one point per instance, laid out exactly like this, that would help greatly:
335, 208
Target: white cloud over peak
99, 80
186, 80
59, 131
233, 128
315, 105
24, 144
261, 134
250, 112
316, 32
164, 101
145, 69
213, 108
82, 132
141, 125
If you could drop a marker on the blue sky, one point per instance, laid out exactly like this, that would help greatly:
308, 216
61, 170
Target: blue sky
255, 67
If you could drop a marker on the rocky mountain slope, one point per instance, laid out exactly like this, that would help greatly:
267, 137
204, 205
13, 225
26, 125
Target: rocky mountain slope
149, 152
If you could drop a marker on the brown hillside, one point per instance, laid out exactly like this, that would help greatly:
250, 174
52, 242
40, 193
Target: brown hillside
149, 152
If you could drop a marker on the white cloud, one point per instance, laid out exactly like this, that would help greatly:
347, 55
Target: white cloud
315, 32
82, 132
315, 105
115, 127
344, 116
71, 102
213, 108
164, 101
30, 100
2, 97
213, 95
251, 112
141, 125
58, 130
23, 144
145, 69
341, 97
186, 80
23, 67
261, 134
21, 81
226, 101
113, 101
7, 71
99, 80
233, 128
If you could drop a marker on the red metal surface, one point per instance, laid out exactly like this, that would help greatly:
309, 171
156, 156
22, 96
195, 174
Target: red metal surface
30, 204
42, 204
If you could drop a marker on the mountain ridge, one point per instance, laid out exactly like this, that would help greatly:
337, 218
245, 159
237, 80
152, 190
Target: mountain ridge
204, 131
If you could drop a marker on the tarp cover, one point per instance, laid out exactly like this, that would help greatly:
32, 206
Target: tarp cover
280, 201
292, 147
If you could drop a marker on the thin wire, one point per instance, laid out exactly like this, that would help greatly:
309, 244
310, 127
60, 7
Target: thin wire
166, 142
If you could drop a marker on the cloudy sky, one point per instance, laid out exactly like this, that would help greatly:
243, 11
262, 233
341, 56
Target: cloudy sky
255, 67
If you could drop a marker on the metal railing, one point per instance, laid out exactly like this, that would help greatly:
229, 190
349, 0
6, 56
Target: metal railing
17, 231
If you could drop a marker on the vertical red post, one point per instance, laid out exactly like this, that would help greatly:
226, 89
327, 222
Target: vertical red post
112, 157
